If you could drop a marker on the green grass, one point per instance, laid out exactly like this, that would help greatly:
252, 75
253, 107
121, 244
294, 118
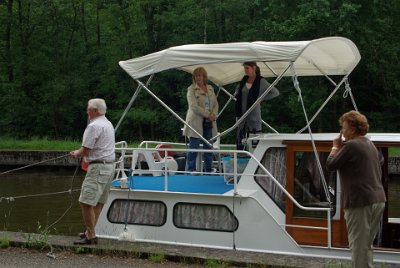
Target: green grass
46, 144
394, 151
38, 144
217, 263
66, 145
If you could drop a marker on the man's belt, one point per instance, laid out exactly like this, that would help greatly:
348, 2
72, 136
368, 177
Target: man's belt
101, 162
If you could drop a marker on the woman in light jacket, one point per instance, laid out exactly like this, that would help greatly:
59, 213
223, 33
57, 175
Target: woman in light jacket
201, 116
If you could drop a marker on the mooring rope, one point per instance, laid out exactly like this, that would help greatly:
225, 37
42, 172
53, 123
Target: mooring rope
51, 253
12, 198
300, 99
70, 190
71, 199
34, 164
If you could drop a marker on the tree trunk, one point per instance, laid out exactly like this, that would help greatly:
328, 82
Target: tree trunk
98, 23
10, 70
71, 37
84, 26
125, 20
25, 31
148, 15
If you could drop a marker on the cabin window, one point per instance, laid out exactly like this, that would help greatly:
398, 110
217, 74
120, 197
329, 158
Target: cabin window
274, 161
204, 217
309, 190
140, 212
393, 184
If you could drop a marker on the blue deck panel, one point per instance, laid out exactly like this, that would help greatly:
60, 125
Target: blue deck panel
180, 183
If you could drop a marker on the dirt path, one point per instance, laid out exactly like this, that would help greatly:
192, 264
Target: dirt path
24, 258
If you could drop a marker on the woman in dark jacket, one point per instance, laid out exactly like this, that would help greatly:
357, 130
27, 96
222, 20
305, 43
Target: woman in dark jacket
248, 91
363, 197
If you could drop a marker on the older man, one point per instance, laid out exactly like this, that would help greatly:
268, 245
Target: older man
98, 148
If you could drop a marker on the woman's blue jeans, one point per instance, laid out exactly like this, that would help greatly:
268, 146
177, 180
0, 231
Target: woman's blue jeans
194, 143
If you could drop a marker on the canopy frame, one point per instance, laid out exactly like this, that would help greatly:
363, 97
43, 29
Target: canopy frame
276, 58
295, 59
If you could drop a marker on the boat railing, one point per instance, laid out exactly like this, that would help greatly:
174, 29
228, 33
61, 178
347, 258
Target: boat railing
216, 145
296, 203
159, 162
118, 147
130, 163
286, 193
147, 144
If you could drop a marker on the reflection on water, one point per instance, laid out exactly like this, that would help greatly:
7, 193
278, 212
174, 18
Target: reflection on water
24, 214
27, 213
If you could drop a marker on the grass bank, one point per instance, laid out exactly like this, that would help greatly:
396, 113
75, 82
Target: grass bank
46, 144
43, 144
38, 144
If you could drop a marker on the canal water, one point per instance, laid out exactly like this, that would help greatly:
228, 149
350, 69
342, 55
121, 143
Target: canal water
32, 200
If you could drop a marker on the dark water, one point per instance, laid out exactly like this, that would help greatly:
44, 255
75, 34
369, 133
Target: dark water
34, 214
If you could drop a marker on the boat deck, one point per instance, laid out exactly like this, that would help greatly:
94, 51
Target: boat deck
201, 184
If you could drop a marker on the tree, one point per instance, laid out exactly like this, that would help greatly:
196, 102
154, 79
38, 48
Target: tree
55, 55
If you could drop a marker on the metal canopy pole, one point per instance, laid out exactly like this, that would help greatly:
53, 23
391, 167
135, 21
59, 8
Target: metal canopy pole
139, 87
173, 113
231, 97
323, 104
269, 126
240, 120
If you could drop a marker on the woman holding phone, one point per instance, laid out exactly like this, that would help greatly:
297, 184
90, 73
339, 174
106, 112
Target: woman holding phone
363, 198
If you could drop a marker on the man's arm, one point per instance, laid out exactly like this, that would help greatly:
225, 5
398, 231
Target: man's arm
81, 152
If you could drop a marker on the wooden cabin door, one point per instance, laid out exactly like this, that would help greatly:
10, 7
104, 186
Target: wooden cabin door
305, 185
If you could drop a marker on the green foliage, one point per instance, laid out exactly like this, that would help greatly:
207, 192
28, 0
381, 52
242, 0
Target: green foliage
337, 264
39, 239
55, 55
5, 240
158, 258
216, 263
79, 250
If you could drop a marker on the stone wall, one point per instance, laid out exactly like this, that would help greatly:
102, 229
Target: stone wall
39, 157
61, 158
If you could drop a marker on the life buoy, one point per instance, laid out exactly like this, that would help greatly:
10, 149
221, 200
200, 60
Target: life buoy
162, 152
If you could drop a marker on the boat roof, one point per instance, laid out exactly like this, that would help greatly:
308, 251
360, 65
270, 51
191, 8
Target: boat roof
223, 62
375, 137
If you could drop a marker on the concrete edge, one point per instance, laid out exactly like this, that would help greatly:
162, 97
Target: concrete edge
175, 253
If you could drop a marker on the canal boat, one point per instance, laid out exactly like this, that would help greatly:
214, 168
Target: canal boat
276, 196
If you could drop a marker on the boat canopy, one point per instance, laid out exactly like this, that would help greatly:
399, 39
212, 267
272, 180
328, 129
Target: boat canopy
330, 56
223, 62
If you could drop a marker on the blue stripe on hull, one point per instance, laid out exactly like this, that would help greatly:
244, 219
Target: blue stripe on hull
180, 183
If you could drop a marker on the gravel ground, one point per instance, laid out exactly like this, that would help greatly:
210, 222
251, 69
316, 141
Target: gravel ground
116, 253
21, 257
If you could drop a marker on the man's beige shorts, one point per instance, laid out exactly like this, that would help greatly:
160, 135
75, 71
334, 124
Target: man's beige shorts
97, 183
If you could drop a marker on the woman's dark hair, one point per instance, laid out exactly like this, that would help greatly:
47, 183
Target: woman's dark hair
252, 64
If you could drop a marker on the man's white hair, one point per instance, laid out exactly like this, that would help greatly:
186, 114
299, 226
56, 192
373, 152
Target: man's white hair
98, 104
